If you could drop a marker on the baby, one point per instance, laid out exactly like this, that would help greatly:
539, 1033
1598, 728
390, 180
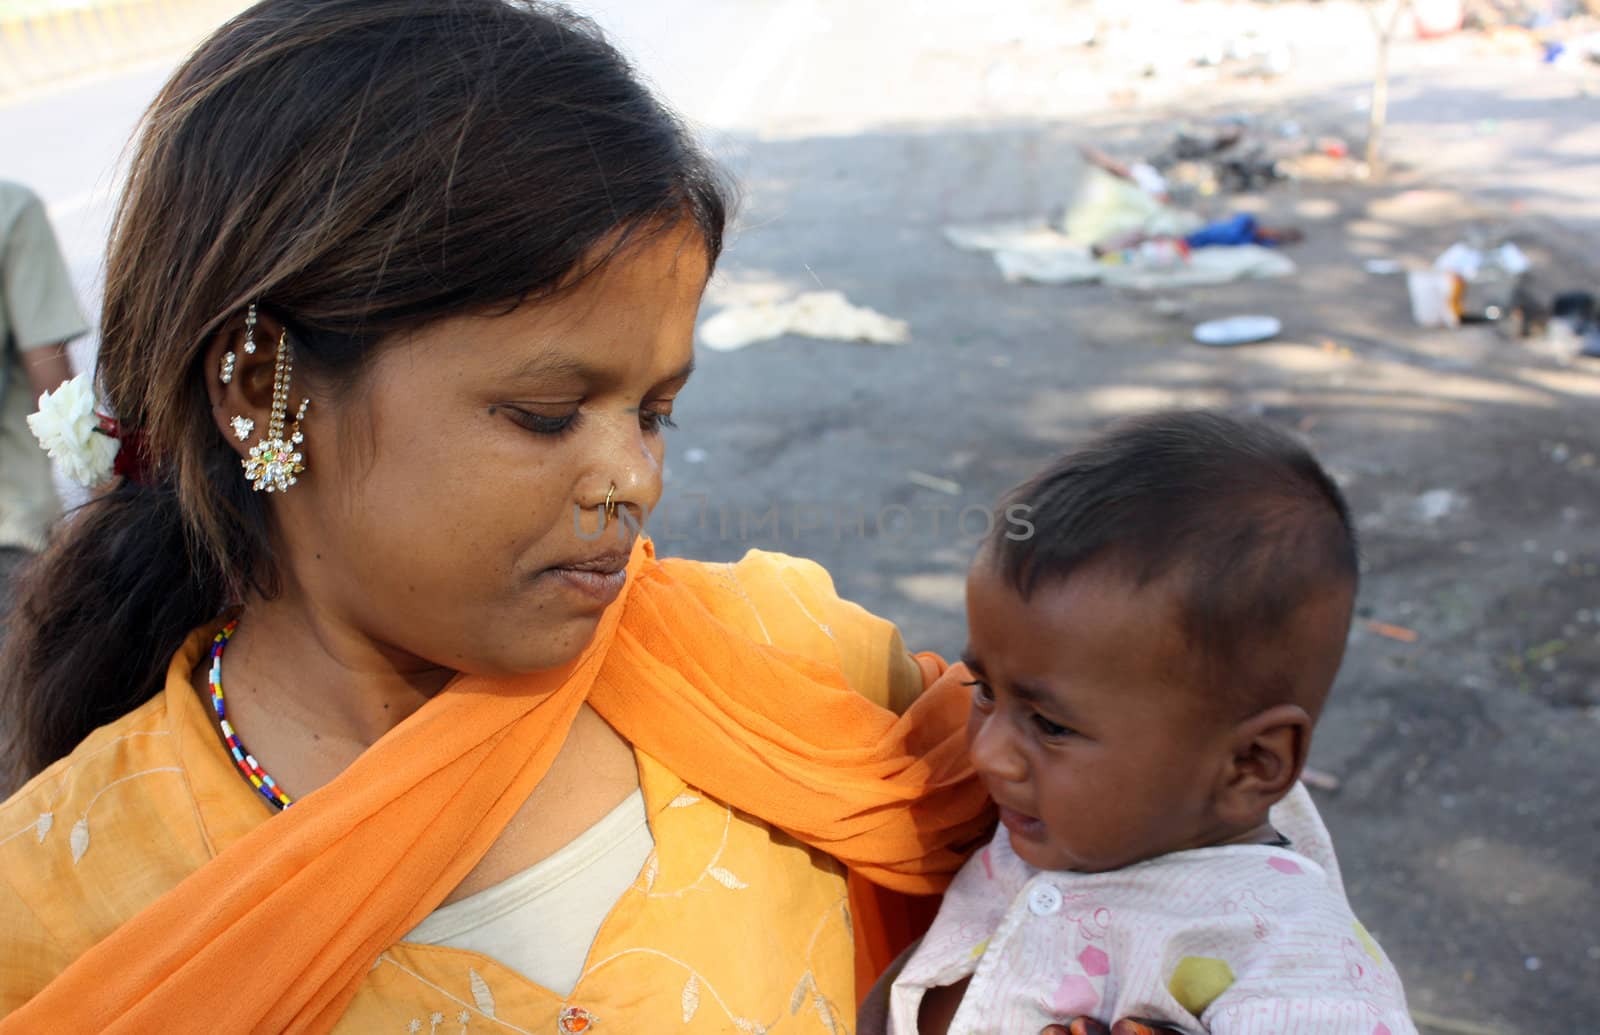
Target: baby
1147, 668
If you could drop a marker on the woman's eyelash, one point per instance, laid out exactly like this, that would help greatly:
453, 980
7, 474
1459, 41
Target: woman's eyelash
652, 420
538, 423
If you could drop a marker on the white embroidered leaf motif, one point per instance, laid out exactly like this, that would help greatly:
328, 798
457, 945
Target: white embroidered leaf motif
651, 869
825, 1011
79, 839
749, 1027
481, 993
682, 801
726, 879
42, 827
691, 998
798, 999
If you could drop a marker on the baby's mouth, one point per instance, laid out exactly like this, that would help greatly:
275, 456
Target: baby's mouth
1021, 824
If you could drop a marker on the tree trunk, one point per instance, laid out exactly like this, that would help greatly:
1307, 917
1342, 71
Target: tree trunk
1378, 119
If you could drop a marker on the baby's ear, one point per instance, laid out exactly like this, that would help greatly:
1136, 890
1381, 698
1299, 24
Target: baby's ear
1268, 751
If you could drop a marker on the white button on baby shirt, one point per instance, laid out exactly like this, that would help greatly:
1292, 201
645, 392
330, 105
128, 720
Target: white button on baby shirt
1044, 900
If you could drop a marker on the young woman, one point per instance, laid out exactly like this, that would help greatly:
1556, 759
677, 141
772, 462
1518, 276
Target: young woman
360, 703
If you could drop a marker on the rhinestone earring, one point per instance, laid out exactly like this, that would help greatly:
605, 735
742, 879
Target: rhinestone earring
250, 330
242, 427
229, 360
275, 462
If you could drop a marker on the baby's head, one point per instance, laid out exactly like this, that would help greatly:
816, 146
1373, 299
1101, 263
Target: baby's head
1150, 660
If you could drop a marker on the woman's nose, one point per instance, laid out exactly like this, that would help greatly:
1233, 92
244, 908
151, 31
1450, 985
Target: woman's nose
632, 461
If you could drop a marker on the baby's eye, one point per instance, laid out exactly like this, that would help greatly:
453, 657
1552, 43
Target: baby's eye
982, 696
1053, 730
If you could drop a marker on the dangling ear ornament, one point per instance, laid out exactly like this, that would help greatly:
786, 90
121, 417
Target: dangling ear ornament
275, 462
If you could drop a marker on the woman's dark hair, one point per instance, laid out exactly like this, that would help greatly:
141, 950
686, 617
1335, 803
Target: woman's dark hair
359, 168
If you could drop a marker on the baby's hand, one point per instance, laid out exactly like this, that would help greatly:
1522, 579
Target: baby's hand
1090, 1026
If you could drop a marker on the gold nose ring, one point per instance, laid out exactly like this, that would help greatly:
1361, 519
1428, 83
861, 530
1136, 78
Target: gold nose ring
610, 505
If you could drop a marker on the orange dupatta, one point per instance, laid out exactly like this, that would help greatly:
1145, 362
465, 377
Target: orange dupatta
278, 931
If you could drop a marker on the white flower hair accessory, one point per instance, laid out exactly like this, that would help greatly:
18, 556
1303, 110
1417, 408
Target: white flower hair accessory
83, 441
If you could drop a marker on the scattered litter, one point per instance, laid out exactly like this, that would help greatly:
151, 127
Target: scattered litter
1488, 273
825, 315
934, 482
1333, 147
1435, 298
1393, 632
695, 455
1572, 330
1318, 780
1471, 262
1108, 207
1237, 330
1436, 504
1033, 252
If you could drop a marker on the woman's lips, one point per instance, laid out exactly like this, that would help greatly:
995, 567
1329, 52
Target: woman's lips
600, 586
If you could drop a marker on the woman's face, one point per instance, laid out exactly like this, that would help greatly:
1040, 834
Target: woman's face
449, 510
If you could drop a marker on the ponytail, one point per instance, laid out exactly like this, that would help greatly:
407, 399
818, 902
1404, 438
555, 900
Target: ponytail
98, 616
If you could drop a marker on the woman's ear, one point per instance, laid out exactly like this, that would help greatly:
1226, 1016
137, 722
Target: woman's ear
1267, 753
243, 402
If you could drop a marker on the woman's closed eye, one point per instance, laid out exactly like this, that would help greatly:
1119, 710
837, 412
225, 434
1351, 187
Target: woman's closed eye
539, 423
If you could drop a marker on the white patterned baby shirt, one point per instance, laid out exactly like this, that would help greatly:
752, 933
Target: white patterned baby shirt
1233, 940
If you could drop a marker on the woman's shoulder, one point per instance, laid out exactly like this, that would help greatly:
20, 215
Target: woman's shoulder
103, 754
791, 603
89, 842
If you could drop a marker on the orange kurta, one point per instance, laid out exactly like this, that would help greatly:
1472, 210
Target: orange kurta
731, 925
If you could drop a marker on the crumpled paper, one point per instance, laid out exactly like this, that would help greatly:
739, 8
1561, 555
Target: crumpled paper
825, 315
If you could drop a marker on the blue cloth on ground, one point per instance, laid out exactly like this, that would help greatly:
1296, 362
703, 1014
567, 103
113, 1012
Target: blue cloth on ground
1239, 229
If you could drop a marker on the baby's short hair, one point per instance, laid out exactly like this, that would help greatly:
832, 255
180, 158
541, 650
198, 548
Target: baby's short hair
1236, 512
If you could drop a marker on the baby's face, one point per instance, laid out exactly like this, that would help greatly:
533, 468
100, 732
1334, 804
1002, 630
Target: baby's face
1087, 723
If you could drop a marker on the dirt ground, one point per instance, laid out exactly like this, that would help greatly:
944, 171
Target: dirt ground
1466, 811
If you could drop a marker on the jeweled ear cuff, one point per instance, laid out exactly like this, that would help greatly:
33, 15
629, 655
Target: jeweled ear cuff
229, 360
276, 462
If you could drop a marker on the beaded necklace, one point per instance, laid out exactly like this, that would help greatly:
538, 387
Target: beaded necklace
243, 759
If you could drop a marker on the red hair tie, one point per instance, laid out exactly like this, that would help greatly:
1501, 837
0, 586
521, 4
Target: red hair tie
133, 460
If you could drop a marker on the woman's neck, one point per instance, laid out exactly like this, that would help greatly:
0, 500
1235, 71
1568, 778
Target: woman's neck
306, 667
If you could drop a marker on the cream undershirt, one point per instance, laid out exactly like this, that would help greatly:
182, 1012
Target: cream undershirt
542, 921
